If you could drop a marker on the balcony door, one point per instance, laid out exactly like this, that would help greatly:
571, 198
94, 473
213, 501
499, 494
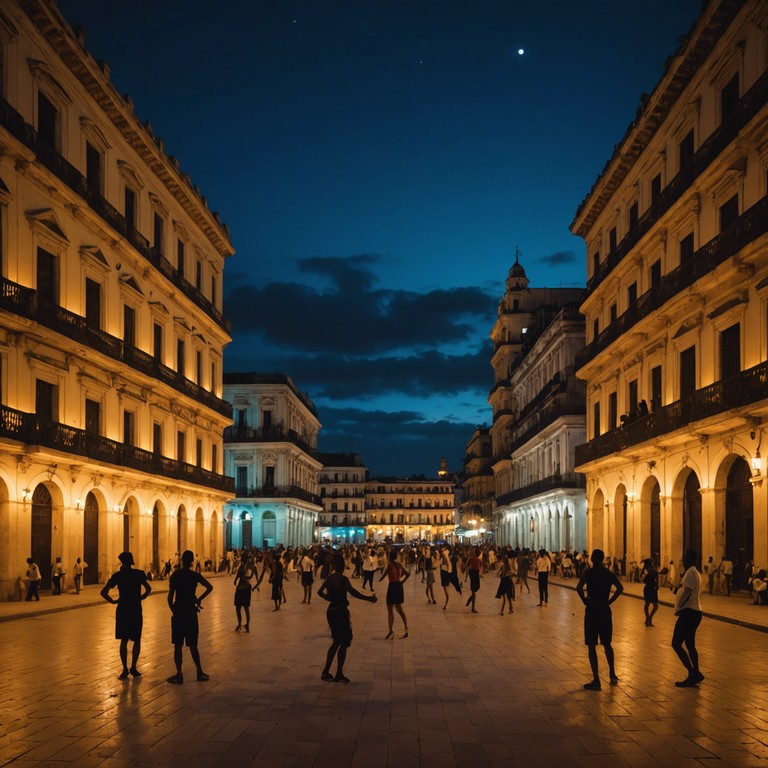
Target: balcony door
91, 539
46, 277
739, 514
42, 525
692, 516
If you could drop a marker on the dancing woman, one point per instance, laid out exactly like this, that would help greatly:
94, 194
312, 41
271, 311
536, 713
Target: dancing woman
397, 576
243, 591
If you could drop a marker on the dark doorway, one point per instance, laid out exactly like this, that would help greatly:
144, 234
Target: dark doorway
692, 516
655, 524
156, 538
247, 528
739, 515
42, 525
91, 539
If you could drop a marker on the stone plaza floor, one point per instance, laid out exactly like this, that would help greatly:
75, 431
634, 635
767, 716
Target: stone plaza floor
462, 690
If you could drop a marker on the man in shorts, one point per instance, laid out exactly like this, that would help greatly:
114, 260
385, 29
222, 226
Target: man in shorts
132, 587
598, 622
184, 605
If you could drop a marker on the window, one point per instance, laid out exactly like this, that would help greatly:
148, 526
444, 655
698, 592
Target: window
157, 438
686, 150
656, 387
46, 400
199, 276
47, 122
92, 303
269, 477
266, 422
595, 262
240, 418
655, 272
596, 420
633, 214
687, 372
199, 368
612, 240
158, 229
214, 288
93, 167
198, 452
730, 351
129, 428
729, 212
632, 295
157, 342
614, 312
46, 277
92, 417
729, 97
213, 377
180, 356
613, 411
632, 397
129, 325
655, 188
242, 481
180, 257
686, 248
129, 205
214, 458
181, 445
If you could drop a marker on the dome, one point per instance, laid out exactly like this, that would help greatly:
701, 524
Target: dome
517, 270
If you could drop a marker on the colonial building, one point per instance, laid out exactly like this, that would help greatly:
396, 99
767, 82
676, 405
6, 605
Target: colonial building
271, 451
476, 506
538, 416
111, 331
408, 510
342, 492
676, 361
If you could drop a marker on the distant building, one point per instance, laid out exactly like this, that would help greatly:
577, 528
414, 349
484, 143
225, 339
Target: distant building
271, 451
676, 365
111, 325
342, 492
538, 416
476, 507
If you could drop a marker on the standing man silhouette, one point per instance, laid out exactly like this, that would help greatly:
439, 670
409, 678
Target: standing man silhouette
132, 587
185, 605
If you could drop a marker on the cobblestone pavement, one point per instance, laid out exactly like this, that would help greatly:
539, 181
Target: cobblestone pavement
461, 690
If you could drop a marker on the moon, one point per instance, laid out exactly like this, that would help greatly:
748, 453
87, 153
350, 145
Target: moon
520, 51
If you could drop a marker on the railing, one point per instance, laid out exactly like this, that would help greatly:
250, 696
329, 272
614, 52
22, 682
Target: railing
752, 224
275, 433
749, 105
34, 430
25, 302
551, 483
565, 404
15, 124
743, 389
278, 492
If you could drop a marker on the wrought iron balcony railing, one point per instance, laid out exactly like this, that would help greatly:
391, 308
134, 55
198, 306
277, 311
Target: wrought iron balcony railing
745, 388
273, 434
25, 302
33, 430
278, 492
15, 124
551, 483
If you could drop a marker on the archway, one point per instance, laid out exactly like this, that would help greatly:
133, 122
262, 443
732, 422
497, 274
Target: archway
199, 534
181, 529
269, 529
692, 516
156, 538
91, 539
739, 514
650, 514
246, 528
597, 521
215, 555
568, 542
620, 504
228, 530
42, 527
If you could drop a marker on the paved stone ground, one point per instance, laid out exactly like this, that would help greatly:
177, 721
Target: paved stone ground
462, 690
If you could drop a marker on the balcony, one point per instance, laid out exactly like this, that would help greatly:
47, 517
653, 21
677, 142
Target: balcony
278, 492
752, 224
274, 434
748, 387
750, 104
551, 483
24, 302
32, 430
571, 402
14, 123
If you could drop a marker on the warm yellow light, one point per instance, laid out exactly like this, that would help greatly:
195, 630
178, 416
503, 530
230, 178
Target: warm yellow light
757, 462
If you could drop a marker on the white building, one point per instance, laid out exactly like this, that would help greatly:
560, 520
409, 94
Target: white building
676, 228
271, 451
111, 332
342, 491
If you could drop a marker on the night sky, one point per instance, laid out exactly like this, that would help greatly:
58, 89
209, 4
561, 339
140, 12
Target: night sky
378, 161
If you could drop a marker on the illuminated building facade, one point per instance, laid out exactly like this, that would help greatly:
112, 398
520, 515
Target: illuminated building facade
476, 506
111, 331
342, 491
271, 452
676, 365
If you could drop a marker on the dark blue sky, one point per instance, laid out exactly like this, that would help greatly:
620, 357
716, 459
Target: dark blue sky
377, 162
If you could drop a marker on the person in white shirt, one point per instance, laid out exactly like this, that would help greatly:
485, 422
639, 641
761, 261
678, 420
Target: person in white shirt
543, 566
369, 566
689, 613
80, 566
307, 567
726, 569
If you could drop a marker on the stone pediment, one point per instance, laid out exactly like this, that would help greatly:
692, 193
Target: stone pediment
45, 220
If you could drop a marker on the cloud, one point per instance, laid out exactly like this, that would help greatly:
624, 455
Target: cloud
347, 314
559, 258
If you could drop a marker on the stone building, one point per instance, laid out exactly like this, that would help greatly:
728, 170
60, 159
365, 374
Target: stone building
538, 416
111, 330
676, 364
476, 506
271, 451
342, 492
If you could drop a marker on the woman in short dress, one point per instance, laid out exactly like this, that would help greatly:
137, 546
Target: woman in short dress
428, 564
397, 576
474, 564
243, 591
276, 579
650, 591
506, 590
